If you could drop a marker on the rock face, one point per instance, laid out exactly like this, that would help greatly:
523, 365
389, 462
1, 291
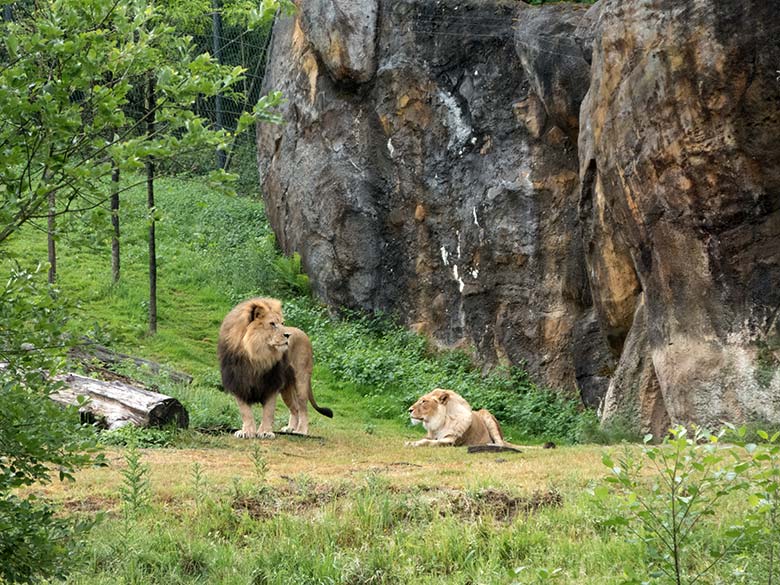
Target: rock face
490, 174
443, 188
680, 168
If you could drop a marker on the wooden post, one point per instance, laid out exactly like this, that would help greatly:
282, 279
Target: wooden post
151, 104
115, 264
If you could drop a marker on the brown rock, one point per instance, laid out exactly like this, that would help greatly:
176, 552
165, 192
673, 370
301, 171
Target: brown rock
493, 257
681, 186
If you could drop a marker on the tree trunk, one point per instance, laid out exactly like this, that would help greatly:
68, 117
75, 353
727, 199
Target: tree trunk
115, 404
115, 264
52, 221
150, 108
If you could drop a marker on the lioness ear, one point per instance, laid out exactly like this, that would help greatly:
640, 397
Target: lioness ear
444, 397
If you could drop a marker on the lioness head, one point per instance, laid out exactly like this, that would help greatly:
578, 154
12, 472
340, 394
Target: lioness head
430, 408
265, 338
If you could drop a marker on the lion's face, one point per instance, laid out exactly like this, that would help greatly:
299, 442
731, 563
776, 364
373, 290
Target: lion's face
430, 408
265, 336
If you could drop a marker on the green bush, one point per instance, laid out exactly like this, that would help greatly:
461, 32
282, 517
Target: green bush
130, 435
692, 475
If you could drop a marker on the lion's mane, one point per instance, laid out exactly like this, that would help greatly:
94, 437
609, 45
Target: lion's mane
252, 352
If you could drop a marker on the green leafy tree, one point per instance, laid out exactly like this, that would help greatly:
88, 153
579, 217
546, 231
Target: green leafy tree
666, 505
70, 73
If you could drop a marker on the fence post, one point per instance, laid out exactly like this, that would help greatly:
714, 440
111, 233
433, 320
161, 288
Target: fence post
216, 35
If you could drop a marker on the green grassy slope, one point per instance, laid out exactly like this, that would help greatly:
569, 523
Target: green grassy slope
214, 251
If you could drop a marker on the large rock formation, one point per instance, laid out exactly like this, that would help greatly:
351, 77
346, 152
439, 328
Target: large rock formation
680, 168
442, 188
429, 167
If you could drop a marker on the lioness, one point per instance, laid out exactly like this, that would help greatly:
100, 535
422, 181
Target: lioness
259, 358
449, 420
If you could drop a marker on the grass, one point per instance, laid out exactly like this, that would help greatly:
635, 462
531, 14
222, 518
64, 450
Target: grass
354, 506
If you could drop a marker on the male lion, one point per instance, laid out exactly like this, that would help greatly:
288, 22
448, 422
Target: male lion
261, 358
449, 420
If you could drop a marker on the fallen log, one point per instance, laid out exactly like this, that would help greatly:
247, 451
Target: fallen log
115, 404
90, 351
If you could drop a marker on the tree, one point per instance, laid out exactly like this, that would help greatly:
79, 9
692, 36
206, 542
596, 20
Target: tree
67, 80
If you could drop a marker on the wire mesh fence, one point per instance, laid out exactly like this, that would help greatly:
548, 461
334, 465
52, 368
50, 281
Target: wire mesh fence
224, 34
232, 45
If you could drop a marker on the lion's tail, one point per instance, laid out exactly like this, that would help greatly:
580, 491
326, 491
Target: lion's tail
323, 410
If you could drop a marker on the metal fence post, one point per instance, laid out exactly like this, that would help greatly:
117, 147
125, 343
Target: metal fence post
216, 35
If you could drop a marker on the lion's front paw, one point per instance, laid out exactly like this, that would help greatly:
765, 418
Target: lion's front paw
242, 434
411, 444
287, 429
266, 435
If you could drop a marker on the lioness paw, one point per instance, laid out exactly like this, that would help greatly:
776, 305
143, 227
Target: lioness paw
266, 435
242, 434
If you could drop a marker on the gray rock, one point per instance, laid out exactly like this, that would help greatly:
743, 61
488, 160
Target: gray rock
343, 34
442, 192
592, 193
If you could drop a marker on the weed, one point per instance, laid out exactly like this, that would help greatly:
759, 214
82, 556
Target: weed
617, 430
135, 490
198, 483
138, 437
259, 465
767, 363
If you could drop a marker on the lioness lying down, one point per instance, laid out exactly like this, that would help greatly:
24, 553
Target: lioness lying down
449, 420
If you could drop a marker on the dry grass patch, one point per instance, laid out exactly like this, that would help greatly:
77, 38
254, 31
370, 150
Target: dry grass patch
340, 458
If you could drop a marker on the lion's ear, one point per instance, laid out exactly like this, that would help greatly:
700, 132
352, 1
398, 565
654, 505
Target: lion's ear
257, 312
443, 397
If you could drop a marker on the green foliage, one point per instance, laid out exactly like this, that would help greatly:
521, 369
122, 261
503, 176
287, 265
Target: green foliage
38, 439
616, 430
767, 363
64, 137
763, 491
194, 16
259, 465
131, 435
691, 475
361, 531
394, 366
136, 488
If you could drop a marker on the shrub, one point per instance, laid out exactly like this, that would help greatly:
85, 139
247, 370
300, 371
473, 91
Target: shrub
38, 439
394, 366
690, 476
